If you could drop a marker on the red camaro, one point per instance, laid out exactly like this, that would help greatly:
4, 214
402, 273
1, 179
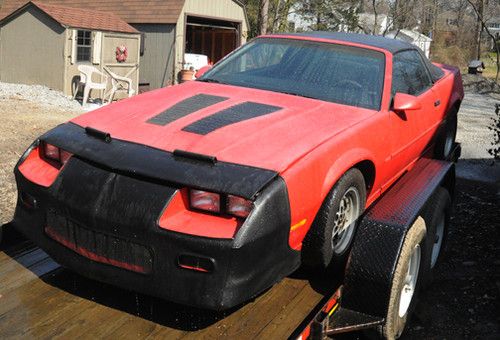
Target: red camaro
209, 192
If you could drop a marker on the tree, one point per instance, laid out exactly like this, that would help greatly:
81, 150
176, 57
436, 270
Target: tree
263, 16
330, 15
478, 10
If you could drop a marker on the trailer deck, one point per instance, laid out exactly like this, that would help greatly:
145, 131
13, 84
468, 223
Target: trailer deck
39, 299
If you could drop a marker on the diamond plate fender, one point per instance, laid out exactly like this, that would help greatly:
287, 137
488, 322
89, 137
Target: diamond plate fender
380, 235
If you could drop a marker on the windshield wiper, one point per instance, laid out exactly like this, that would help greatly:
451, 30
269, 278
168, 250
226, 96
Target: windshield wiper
211, 80
296, 94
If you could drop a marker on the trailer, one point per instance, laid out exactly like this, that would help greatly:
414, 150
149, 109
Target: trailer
397, 244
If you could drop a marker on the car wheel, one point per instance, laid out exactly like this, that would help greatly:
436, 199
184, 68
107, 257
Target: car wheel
405, 282
437, 218
332, 232
446, 139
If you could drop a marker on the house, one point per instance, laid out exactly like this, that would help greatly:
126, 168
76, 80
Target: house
170, 28
493, 25
44, 44
413, 37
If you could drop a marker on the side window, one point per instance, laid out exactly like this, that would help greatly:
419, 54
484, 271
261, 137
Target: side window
409, 74
83, 45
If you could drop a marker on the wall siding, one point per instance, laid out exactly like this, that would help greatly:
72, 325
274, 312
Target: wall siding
157, 63
32, 50
221, 9
108, 45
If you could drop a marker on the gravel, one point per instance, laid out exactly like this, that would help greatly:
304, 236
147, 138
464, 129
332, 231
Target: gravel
475, 116
475, 83
39, 94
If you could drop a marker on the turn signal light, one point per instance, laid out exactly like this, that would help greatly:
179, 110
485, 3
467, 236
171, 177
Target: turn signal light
54, 155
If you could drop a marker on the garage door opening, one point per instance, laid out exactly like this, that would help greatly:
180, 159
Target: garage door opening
210, 37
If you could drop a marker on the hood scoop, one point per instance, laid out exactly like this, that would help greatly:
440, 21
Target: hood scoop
184, 108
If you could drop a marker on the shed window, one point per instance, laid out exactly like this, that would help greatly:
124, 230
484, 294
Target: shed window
83, 45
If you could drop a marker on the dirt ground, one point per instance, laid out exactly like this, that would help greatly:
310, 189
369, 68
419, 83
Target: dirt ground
463, 301
22, 122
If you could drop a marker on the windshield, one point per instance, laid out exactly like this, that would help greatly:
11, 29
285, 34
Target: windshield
330, 72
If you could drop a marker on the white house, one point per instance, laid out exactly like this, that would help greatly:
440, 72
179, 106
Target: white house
413, 37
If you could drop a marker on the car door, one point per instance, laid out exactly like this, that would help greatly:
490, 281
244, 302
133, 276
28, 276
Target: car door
410, 129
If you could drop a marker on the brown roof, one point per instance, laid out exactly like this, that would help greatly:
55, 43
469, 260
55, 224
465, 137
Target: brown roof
80, 18
132, 11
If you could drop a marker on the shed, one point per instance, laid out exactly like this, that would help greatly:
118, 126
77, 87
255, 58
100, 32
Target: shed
44, 44
170, 29
413, 37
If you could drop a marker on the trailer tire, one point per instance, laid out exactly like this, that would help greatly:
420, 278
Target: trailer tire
404, 283
437, 218
447, 136
328, 242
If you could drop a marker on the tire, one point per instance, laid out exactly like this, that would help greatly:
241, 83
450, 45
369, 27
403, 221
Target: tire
437, 219
329, 240
404, 287
446, 138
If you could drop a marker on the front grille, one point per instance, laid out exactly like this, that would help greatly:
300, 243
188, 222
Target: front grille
102, 248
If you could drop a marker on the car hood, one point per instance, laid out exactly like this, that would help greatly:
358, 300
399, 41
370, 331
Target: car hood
244, 126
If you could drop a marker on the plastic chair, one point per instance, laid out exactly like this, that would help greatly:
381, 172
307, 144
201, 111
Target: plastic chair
117, 84
86, 72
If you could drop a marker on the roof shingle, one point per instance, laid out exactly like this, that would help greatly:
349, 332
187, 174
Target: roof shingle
132, 11
81, 18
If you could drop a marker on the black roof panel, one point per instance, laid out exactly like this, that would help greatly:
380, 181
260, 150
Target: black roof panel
389, 44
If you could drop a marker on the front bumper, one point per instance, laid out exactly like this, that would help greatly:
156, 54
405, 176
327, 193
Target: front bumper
125, 210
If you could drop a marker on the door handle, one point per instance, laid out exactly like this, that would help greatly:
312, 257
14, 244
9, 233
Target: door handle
437, 103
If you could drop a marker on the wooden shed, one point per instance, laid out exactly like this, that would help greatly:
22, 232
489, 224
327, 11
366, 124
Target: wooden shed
170, 28
45, 44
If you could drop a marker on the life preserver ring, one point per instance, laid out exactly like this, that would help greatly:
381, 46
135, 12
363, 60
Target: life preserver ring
121, 53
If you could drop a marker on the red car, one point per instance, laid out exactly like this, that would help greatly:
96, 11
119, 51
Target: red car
209, 192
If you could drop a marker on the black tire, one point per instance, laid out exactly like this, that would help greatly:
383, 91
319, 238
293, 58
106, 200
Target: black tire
437, 219
396, 320
324, 247
446, 137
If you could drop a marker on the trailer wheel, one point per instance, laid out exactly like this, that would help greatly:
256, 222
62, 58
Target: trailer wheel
405, 282
437, 218
332, 232
446, 138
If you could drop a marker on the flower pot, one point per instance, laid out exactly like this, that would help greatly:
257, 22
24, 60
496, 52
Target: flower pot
187, 75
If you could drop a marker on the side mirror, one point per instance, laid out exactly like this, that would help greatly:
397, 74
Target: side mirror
202, 71
405, 102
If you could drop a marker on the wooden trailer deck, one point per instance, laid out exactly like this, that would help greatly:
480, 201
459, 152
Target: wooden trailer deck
40, 299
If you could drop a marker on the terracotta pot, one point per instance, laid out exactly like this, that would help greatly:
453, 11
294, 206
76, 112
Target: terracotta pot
187, 75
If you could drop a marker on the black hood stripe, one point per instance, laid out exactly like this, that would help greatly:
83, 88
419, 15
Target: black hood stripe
185, 107
231, 115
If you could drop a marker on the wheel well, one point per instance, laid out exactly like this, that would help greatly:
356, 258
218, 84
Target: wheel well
456, 105
367, 168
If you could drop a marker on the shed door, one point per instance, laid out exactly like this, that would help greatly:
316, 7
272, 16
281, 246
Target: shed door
213, 38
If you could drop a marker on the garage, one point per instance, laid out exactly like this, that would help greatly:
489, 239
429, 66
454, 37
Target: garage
211, 37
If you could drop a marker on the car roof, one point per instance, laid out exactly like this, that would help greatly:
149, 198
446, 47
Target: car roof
389, 44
